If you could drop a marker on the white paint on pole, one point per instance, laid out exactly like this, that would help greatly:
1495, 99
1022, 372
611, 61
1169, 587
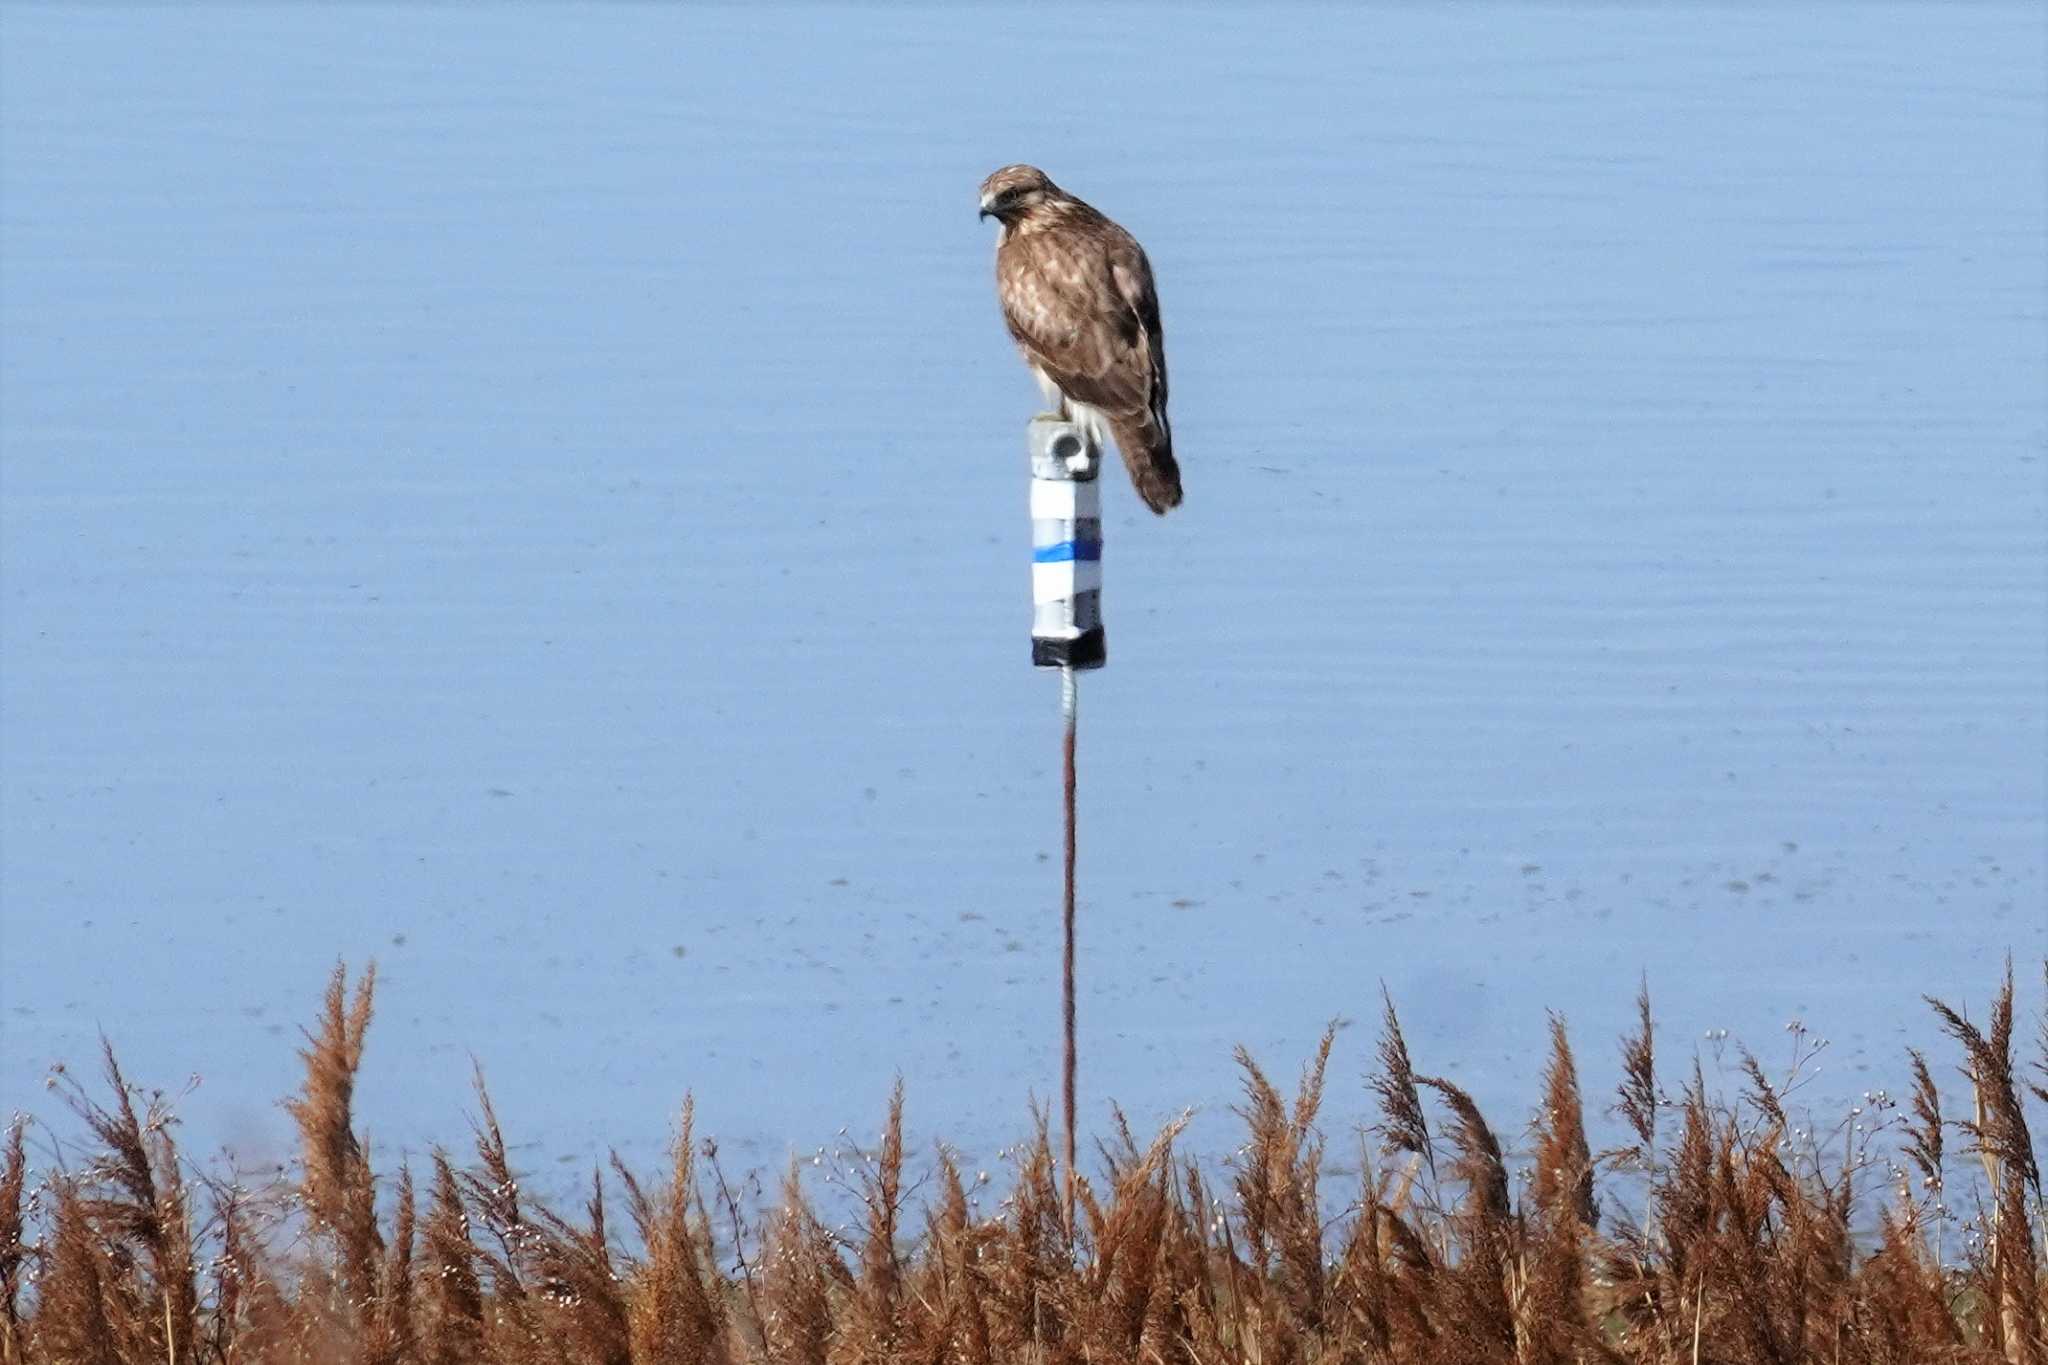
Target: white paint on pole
1061, 500
1062, 583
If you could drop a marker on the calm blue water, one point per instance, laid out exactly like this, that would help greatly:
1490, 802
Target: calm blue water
535, 497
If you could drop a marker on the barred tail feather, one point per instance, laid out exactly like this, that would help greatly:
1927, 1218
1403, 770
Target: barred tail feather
1147, 447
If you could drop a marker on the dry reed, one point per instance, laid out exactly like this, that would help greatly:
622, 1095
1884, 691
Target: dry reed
1723, 1233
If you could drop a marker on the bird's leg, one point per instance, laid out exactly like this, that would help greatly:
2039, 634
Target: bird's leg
1068, 411
1055, 401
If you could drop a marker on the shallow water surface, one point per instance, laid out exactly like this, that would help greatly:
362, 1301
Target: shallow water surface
535, 497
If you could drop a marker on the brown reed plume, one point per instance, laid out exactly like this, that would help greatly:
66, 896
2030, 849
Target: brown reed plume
132, 1203
875, 1324
453, 1299
1406, 1126
1549, 1280
1564, 1160
339, 1192
2007, 1270
803, 1277
678, 1311
13, 1193
1637, 1093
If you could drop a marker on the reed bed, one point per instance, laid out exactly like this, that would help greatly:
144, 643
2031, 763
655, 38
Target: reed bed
1724, 1231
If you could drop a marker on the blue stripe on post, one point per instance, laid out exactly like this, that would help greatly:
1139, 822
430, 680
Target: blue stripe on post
1066, 551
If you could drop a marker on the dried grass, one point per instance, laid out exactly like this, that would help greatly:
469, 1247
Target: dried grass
1724, 1233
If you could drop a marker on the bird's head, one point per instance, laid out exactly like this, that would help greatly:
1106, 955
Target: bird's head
1014, 191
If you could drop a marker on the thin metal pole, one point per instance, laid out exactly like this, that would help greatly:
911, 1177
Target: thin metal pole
1070, 705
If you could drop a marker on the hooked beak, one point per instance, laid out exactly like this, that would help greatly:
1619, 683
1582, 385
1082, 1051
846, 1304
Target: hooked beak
986, 211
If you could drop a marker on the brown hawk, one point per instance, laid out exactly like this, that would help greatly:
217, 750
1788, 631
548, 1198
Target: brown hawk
1078, 298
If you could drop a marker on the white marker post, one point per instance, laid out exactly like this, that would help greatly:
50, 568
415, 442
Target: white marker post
1066, 633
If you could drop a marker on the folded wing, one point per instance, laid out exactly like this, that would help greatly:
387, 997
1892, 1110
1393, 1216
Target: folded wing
1080, 302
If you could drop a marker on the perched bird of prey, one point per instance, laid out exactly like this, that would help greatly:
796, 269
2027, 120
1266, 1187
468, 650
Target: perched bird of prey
1077, 296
